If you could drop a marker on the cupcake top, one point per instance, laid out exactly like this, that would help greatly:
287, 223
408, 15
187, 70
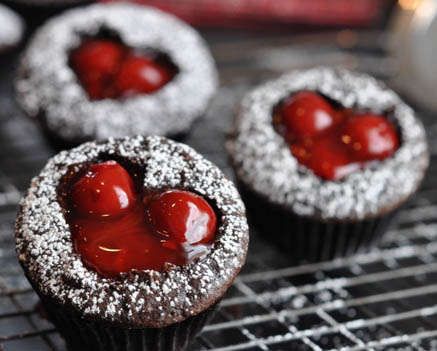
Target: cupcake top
263, 161
49, 88
138, 298
11, 28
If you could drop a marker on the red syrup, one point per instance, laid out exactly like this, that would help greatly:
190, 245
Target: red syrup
333, 142
141, 75
116, 229
108, 69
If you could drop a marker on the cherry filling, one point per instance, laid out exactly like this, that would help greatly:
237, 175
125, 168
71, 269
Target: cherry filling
333, 142
117, 229
107, 69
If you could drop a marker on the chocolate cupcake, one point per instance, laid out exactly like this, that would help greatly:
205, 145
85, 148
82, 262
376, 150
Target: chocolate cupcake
130, 243
11, 29
115, 70
324, 158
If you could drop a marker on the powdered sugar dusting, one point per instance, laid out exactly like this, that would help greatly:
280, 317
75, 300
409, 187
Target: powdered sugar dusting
139, 299
48, 88
263, 161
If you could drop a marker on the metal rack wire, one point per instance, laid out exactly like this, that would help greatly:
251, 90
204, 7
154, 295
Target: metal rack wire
382, 300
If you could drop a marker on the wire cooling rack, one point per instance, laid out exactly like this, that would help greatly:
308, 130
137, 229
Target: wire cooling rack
382, 300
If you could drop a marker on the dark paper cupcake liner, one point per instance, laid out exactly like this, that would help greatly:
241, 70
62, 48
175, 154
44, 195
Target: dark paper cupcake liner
307, 239
60, 144
81, 334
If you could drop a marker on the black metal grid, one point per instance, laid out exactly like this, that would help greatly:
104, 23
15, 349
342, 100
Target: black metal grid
383, 300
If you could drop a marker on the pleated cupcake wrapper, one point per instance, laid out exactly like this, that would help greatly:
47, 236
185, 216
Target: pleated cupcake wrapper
306, 239
85, 335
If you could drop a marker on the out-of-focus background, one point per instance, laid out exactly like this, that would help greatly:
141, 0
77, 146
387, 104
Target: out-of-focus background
325, 31
382, 300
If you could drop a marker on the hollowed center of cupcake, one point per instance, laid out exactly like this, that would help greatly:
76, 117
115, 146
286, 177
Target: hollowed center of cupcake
108, 69
116, 228
333, 141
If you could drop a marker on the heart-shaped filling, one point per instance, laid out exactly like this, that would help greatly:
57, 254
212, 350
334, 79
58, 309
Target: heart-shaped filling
107, 69
116, 228
333, 141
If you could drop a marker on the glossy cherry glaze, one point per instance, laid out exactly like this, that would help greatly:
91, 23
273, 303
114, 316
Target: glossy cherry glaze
370, 137
141, 75
333, 142
105, 190
96, 62
117, 229
108, 69
181, 216
306, 115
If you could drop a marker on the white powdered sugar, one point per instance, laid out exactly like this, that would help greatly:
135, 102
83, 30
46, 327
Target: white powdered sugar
137, 299
48, 88
264, 163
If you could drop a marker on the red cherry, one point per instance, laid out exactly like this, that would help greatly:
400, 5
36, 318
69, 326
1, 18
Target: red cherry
111, 246
96, 62
106, 189
182, 216
141, 75
370, 137
328, 158
114, 232
307, 114
333, 142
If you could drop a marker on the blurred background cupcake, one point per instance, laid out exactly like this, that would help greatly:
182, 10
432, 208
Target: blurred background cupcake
115, 70
324, 158
11, 29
